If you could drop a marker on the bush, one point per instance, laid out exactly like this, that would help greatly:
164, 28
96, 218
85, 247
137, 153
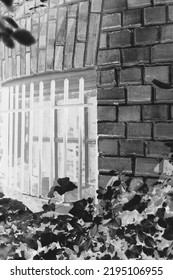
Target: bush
131, 221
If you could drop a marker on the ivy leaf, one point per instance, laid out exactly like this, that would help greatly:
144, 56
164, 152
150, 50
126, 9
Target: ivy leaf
93, 230
162, 223
149, 242
168, 234
7, 3
148, 251
132, 204
8, 41
64, 185
10, 21
162, 84
24, 37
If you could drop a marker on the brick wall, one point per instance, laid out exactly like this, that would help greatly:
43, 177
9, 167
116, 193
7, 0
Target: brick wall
66, 32
136, 46
129, 43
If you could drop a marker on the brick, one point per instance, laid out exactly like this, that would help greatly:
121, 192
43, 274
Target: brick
155, 112
146, 35
158, 149
167, 33
132, 18
61, 26
115, 93
72, 10
79, 55
41, 60
112, 5
170, 13
50, 44
103, 41
27, 63
162, 52
131, 147
155, 15
163, 131
108, 146
69, 45
135, 55
129, 113
82, 21
52, 13
118, 164
111, 21
164, 95
96, 6
157, 2
172, 112
103, 180
34, 50
120, 39
108, 57
139, 130
130, 75
157, 72
58, 64
113, 129
139, 93
138, 3
42, 35
108, 76
106, 113
93, 36
146, 166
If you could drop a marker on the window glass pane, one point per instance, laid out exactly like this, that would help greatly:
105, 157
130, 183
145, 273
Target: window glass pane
60, 124
73, 123
60, 161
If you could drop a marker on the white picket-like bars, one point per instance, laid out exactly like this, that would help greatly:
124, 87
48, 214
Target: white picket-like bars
48, 135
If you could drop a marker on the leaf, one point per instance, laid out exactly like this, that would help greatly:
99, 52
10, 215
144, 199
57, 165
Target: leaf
135, 184
162, 223
65, 185
168, 235
8, 41
10, 21
148, 251
24, 37
162, 84
76, 248
7, 3
1, 195
132, 204
149, 242
93, 230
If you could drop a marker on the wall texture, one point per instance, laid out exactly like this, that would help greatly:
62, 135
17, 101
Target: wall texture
129, 43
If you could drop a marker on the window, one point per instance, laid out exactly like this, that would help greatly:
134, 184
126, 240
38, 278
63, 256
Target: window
51, 130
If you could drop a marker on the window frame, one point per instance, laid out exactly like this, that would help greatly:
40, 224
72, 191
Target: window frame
90, 84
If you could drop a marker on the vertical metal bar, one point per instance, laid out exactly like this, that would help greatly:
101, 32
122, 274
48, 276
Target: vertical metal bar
40, 139
65, 137
16, 135
22, 164
81, 136
11, 137
65, 125
30, 163
97, 156
52, 134
5, 104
